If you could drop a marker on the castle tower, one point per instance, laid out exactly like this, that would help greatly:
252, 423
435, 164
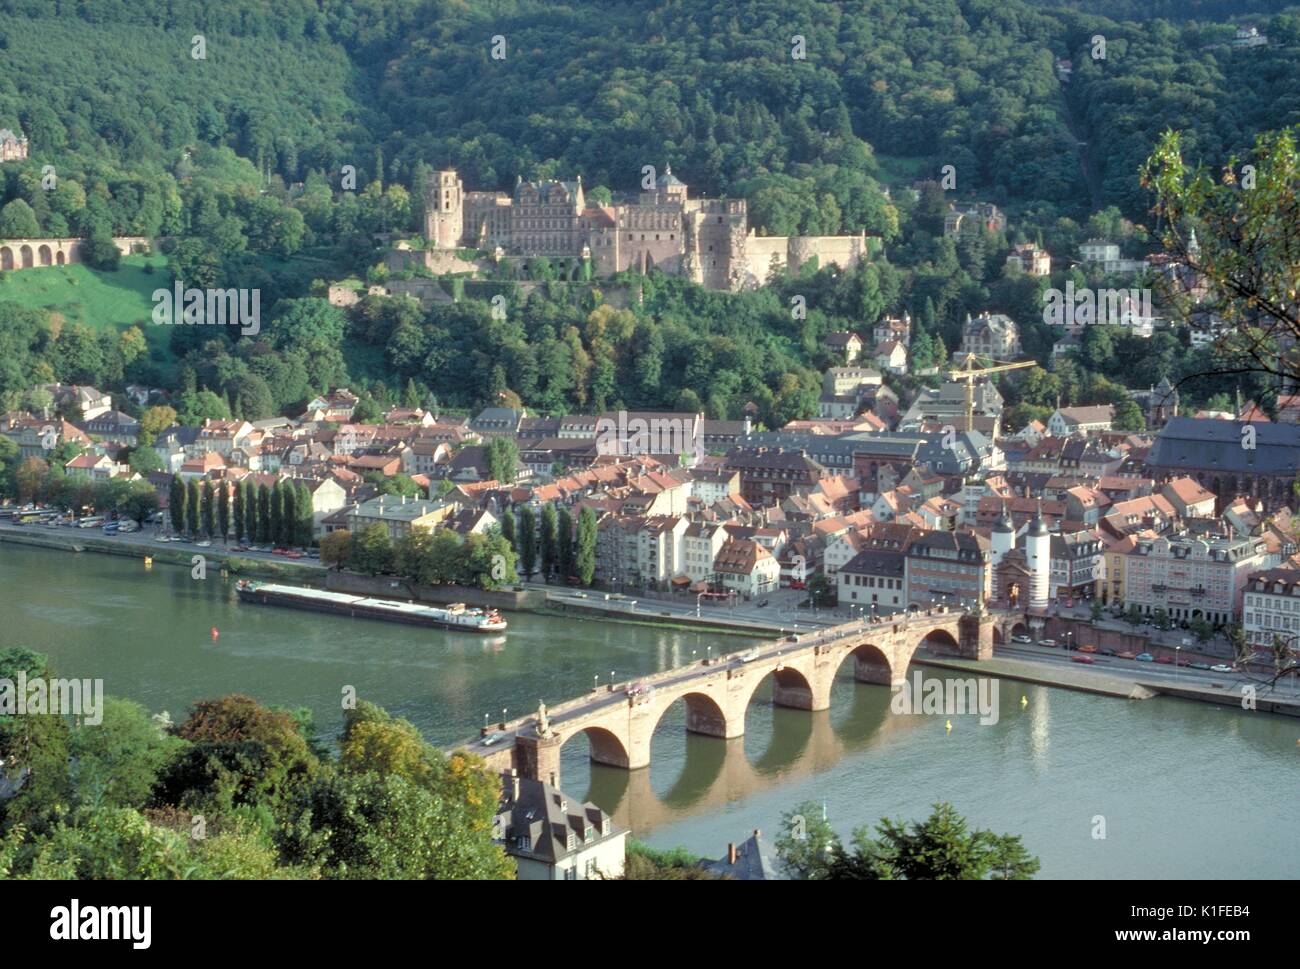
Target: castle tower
444, 199
1038, 555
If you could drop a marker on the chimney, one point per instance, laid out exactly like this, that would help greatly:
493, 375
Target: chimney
731, 853
514, 785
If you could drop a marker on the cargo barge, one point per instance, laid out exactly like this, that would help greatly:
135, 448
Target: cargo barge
454, 616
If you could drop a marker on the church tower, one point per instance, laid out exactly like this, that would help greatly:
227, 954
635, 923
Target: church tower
444, 200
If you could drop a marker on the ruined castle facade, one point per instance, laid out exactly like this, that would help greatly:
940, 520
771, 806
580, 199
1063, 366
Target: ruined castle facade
708, 240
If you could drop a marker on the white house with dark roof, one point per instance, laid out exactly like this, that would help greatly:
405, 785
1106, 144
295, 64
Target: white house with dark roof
553, 837
1066, 421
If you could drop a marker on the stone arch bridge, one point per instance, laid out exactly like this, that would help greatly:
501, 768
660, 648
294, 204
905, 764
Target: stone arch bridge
38, 253
620, 719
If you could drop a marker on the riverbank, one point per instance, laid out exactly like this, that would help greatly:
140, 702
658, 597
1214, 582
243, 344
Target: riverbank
651, 612
169, 553
1124, 685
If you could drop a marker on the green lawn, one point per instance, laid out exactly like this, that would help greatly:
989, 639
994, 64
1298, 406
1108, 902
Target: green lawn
78, 294
903, 170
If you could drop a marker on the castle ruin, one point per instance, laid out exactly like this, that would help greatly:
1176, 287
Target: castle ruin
706, 240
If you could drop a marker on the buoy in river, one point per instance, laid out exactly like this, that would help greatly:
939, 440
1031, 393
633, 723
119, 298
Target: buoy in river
1024, 701
215, 634
948, 726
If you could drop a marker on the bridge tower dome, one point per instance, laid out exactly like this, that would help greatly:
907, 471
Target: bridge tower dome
1038, 556
1003, 540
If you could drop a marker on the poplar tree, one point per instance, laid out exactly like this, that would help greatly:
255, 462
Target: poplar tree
209, 520
176, 501
274, 509
193, 500
237, 512
585, 556
264, 533
527, 541
508, 530
565, 554
550, 529
250, 511
223, 509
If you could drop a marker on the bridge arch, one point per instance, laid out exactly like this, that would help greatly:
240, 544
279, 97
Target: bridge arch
44, 256
25, 254
6, 258
871, 664
703, 715
606, 746
790, 688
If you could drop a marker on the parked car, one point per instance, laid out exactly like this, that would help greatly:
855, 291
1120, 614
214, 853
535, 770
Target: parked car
1082, 659
1199, 666
1165, 660
1144, 658
1126, 654
1221, 668
1047, 642
762, 604
1108, 652
1022, 638
204, 544
1088, 649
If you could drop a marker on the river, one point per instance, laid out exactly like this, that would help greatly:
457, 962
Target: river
1179, 789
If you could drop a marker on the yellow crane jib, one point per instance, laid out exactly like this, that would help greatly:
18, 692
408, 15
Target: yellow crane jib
970, 370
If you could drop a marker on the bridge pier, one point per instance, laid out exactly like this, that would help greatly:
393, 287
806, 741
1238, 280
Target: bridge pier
538, 758
976, 635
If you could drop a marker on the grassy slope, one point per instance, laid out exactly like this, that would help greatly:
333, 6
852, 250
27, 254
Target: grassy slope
99, 300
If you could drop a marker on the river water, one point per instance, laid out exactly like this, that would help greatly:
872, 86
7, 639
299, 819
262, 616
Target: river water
1178, 789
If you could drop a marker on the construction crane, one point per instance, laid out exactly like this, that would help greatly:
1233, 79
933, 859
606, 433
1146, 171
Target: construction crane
969, 370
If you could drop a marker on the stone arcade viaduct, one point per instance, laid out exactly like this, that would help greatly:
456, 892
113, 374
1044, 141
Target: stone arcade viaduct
36, 253
620, 719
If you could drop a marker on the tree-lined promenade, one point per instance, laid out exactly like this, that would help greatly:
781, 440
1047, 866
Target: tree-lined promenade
279, 514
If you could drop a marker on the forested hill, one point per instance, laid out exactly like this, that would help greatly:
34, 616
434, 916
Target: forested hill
887, 90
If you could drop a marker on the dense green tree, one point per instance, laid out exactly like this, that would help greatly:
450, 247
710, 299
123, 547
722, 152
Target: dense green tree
209, 517
265, 521
372, 550
177, 499
549, 540
193, 507
564, 556
34, 748
527, 540
584, 556
238, 512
